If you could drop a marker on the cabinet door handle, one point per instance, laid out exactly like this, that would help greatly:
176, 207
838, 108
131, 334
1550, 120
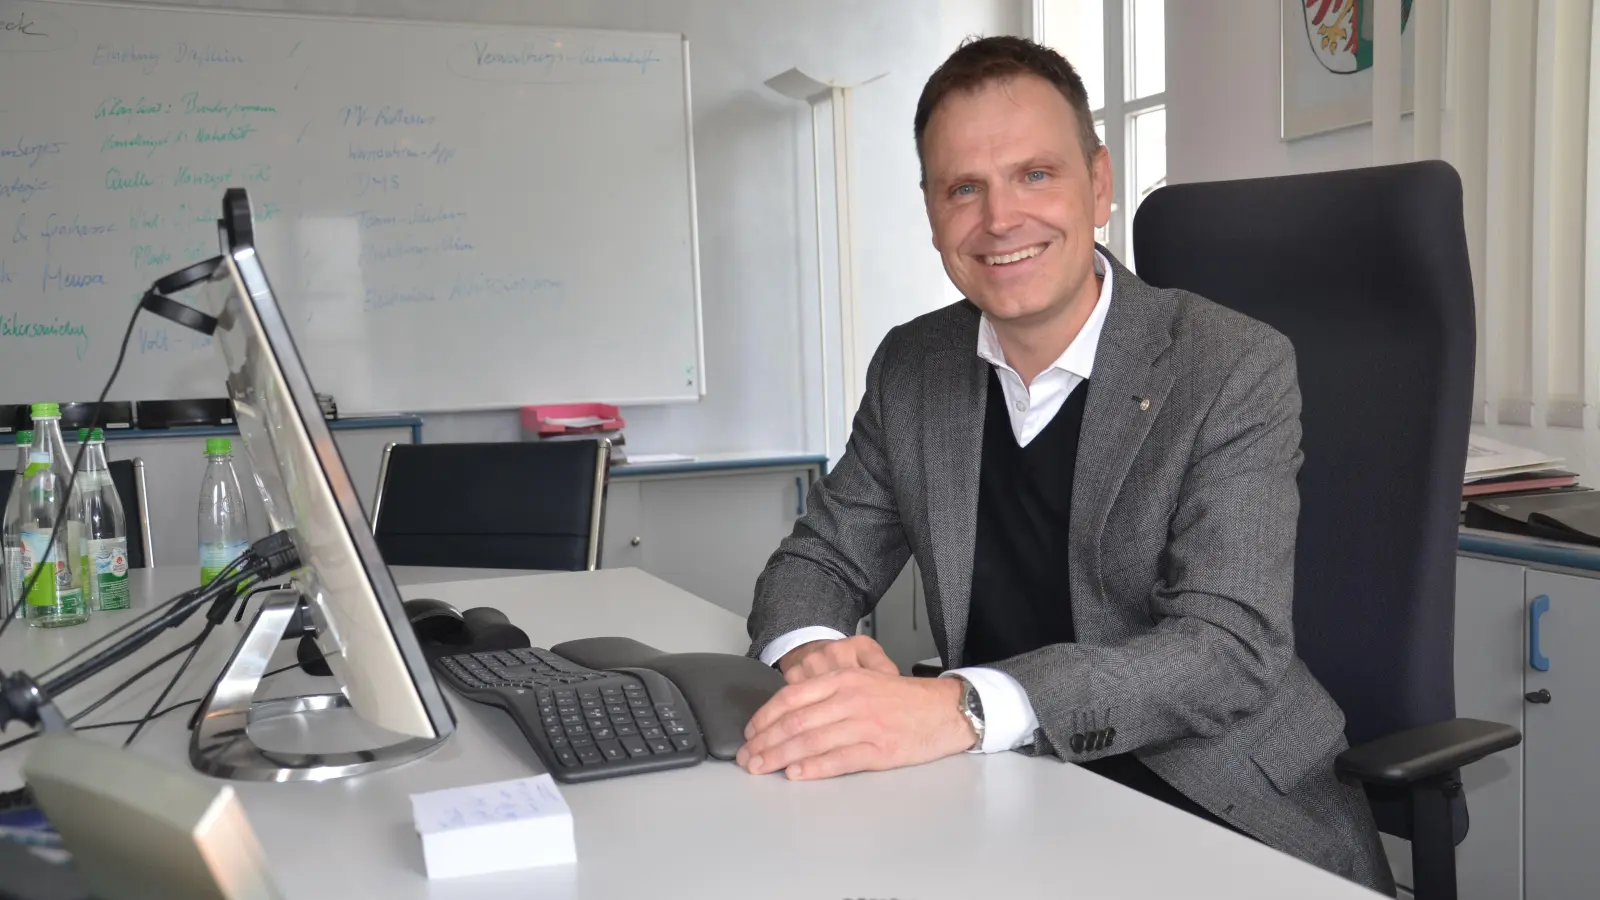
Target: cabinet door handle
636, 541
799, 495
1539, 696
1536, 611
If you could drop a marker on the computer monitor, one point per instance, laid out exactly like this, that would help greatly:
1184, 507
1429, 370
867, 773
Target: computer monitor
362, 628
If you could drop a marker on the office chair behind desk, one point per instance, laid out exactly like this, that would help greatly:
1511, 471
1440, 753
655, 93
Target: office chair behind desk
501, 505
1366, 273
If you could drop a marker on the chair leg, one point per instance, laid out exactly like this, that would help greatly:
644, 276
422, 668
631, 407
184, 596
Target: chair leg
1433, 845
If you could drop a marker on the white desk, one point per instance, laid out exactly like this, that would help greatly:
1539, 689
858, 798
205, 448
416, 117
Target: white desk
1003, 826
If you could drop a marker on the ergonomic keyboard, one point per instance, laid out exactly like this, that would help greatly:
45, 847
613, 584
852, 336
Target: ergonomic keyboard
585, 724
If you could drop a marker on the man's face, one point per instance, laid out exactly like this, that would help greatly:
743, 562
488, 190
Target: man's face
1012, 200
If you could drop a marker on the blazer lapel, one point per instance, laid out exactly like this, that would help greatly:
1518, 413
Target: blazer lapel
1126, 392
956, 389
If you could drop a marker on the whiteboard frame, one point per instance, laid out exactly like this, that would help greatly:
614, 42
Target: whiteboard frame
688, 125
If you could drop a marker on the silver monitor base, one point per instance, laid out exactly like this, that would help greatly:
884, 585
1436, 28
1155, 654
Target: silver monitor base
221, 744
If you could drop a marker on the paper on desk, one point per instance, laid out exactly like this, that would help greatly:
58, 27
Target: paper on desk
1488, 458
579, 421
494, 827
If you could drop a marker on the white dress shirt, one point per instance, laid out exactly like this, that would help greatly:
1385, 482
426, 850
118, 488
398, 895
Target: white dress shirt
1008, 715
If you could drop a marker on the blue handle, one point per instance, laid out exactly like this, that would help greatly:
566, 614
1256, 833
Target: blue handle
1541, 605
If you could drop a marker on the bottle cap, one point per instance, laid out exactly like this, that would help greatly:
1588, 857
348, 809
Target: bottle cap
83, 435
97, 434
46, 410
219, 447
24, 437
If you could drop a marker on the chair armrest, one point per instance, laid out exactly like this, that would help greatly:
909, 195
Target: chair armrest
1407, 757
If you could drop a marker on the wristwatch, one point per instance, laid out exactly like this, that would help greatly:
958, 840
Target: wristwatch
971, 706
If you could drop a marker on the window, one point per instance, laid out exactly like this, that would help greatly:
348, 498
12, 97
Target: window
1118, 47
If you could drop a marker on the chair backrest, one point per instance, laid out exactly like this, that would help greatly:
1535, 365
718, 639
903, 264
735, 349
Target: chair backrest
1366, 272
128, 476
509, 505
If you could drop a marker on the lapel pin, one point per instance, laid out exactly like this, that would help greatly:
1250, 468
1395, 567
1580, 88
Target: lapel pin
1144, 403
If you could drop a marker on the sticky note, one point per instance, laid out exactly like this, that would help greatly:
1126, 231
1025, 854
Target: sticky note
496, 827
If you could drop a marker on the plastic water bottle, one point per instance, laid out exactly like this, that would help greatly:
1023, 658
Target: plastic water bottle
11, 534
57, 595
224, 525
105, 529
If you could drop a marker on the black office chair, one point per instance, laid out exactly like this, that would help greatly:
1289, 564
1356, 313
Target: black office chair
493, 505
1366, 272
128, 476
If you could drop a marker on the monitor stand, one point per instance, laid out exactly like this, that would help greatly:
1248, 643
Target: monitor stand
221, 744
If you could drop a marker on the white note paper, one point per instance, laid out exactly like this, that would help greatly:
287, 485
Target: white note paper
494, 827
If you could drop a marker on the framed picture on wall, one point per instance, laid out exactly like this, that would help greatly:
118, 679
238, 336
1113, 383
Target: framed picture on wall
1326, 65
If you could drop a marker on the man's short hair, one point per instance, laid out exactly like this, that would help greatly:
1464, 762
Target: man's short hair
980, 61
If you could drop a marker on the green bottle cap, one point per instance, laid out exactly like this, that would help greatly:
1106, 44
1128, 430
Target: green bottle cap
97, 434
83, 435
24, 437
219, 447
47, 410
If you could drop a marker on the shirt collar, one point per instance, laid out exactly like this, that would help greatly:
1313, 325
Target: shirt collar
1078, 358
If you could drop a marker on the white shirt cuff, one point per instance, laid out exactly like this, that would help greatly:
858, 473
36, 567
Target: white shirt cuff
1008, 717
781, 645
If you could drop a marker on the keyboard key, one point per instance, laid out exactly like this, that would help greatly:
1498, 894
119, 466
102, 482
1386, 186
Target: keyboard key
683, 741
639, 703
675, 728
592, 703
659, 745
601, 734
567, 756
635, 746
622, 720
644, 722
559, 740
566, 694
617, 709
627, 729
590, 756
571, 719
589, 694
582, 740
612, 750
609, 692
650, 733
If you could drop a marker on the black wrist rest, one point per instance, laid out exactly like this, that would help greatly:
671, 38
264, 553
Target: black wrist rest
723, 689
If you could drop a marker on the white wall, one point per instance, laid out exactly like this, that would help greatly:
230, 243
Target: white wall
1222, 99
753, 171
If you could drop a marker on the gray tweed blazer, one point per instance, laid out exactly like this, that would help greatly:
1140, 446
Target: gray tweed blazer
1184, 508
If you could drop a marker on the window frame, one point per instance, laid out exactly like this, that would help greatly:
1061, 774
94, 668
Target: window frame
1118, 113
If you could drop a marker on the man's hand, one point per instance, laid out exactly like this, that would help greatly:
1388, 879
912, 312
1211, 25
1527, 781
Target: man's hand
855, 720
820, 657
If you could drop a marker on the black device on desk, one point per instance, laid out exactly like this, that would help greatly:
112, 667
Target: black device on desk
596, 707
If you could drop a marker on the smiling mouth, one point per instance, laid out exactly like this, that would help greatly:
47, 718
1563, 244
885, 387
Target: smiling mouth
1015, 256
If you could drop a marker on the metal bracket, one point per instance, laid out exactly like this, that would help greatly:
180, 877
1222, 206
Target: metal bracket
221, 745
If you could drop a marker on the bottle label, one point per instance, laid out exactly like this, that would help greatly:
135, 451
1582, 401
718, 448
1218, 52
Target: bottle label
108, 561
14, 574
50, 592
216, 557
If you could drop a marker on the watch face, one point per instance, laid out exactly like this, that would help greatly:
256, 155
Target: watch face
970, 698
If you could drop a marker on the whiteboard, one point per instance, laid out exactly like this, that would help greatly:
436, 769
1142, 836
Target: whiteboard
454, 216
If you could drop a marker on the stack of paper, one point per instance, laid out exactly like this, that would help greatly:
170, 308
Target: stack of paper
1495, 467
494, 827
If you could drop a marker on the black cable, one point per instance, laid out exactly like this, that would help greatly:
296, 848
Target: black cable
133, 642
103, 700
172, 682
66, 501
125, 722
135, 622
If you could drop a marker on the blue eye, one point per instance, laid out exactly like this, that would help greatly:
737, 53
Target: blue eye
963, 190
1035, 175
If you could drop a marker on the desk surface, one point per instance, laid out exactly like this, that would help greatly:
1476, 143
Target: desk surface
969, 826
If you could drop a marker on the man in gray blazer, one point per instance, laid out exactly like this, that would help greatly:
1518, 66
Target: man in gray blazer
1097, 480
